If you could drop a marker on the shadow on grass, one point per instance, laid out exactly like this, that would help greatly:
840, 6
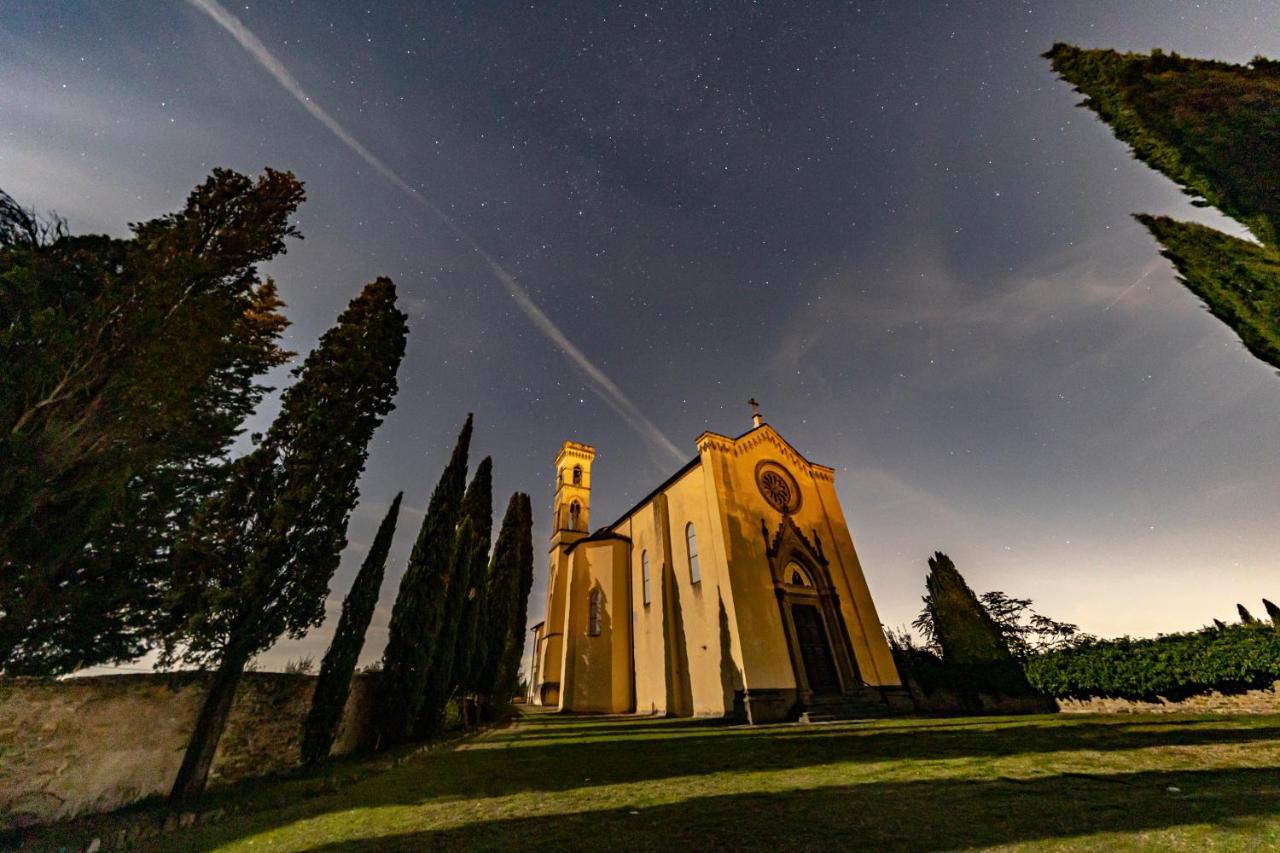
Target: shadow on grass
539, 755
542, 728
886, 812
935, 815
528, 761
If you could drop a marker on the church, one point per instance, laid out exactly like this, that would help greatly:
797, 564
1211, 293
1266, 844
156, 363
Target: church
731, 590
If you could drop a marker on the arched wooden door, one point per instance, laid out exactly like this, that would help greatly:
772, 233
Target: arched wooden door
815, 650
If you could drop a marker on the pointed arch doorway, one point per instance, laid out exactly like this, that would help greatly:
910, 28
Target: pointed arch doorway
817, 640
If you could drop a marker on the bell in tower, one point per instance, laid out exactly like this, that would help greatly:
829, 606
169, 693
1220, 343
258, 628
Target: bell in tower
573, 492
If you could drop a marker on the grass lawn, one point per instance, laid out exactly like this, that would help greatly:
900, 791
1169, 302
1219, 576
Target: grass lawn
1152, 782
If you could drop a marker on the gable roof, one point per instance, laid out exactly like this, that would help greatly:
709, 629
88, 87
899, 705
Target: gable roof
661, 487
765, 434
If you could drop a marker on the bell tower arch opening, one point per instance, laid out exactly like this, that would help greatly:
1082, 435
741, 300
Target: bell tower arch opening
573, 492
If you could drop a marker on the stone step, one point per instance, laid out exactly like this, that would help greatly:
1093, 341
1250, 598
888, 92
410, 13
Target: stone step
808, 717
852, 707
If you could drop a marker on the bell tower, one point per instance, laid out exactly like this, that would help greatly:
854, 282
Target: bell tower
573, 493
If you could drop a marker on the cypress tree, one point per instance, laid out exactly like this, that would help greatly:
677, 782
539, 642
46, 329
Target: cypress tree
478, 506
965, 632
1210, 127
973, 647
416, 615
509, 670
334, 683
1246, 617
475, 521
1272, 611
494, 632
475, 648
435, 698
257, 561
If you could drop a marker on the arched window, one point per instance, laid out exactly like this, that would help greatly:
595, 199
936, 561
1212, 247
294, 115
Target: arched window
691, 539
577, 475
796, 575
575, 513
597, 612
644, 575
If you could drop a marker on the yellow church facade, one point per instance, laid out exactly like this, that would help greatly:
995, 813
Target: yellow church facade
733, 589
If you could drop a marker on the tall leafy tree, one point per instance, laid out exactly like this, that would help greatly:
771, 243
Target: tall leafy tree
417, 613
1025, 631
1212, 127
258, 559
339, 664
452, 658
128, 368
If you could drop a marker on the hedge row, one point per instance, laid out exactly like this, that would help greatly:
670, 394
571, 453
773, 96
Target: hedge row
1174, 666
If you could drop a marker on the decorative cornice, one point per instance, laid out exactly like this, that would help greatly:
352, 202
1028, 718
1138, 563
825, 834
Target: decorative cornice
761, 435
574, 448
714, 441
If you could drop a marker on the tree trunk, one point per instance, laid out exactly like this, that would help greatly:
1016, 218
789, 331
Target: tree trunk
194, 773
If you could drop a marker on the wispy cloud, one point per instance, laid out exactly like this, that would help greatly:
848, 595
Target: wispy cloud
952, 313
600, 382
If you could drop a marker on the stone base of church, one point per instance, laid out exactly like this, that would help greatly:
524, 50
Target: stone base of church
780, 705
898, 699
769, 705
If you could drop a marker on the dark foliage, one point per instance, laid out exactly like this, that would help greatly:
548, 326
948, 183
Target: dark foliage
508, 601
431, 716
339, 664
964, 631
495, 632
1024, 630
471, 552
1228, 659
478, 506
1214, 128
477, 651
128, 368
509, 670
970, 645
1245, 616
419, 607
1273, 612
1238, 281
258, 558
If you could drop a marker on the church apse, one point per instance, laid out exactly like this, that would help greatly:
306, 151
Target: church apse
597, 667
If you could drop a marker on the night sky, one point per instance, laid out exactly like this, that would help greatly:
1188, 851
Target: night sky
887, 222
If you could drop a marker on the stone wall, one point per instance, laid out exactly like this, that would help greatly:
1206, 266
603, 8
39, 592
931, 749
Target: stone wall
945, 701
1252, 702
86, 745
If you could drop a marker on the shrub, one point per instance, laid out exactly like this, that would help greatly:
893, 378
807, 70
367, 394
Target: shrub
1229, 660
